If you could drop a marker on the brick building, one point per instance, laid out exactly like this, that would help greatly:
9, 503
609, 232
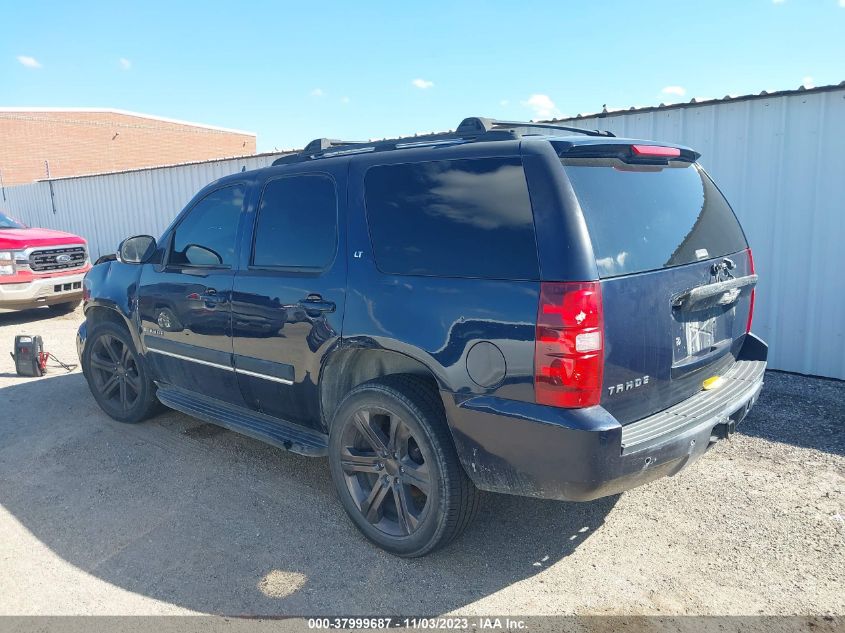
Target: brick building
76, 141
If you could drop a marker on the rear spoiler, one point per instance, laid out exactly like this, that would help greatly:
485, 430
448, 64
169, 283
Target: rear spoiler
635, 152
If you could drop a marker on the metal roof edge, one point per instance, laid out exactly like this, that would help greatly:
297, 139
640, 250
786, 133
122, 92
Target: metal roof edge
154, 167
696, 103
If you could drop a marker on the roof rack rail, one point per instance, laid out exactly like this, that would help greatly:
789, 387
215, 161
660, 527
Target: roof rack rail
314, 148
322, 144
471, 129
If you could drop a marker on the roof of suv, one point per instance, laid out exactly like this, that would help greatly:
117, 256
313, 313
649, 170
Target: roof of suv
470, 130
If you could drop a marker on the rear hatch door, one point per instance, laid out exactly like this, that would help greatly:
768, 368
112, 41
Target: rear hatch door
675, 270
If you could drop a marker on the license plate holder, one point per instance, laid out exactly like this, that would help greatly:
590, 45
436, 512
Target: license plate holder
700, 336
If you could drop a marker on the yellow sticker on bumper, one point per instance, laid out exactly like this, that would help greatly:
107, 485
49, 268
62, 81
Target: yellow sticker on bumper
712, 383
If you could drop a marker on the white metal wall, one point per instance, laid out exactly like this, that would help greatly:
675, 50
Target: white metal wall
781, 163
106, 208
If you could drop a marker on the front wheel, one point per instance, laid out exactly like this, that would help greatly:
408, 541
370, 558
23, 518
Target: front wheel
116, 376
395, 467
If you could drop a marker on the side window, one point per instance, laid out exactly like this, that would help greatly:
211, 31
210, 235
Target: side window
297, 223
206, 236
452, 218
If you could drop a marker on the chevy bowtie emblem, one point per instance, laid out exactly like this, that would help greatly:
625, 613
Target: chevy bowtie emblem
722, 270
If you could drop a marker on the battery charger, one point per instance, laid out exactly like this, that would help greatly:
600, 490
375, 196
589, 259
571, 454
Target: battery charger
29, 356
31, 359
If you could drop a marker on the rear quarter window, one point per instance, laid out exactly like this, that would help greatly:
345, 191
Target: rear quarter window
644, 217
452, 218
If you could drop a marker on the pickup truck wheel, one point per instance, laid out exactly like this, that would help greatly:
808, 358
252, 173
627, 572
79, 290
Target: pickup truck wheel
64, 308
116, 376
395, 467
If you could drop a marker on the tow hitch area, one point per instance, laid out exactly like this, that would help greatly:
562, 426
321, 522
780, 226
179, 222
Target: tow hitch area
723, 430
727, 425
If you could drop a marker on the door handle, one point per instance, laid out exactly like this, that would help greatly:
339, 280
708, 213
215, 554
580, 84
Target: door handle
314, 304
209, 297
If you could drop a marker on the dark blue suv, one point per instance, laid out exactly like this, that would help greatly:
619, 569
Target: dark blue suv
513, 307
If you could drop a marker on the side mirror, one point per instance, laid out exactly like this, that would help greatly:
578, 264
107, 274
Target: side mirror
136, 250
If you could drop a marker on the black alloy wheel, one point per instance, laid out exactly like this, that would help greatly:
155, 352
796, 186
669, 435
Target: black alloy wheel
116, 374
385, 471
395, 467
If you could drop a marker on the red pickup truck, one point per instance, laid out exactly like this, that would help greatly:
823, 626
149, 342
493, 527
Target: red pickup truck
40, 267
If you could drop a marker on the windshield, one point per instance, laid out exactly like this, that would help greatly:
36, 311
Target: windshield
650, 217
8, 223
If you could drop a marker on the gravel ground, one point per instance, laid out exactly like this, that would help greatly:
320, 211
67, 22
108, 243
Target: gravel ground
176, 516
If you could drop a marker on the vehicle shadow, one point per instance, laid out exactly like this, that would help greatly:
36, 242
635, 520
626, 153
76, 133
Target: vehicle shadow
804, 411
33, 315
191, 514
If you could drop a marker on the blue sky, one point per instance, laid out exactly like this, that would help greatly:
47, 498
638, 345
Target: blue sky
292, 71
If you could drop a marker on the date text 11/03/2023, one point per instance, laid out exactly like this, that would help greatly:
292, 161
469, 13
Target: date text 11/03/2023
418, 623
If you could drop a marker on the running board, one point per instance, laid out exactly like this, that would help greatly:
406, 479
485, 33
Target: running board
279, 433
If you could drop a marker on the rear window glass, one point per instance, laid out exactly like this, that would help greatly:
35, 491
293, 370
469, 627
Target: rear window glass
452, 218
646, 218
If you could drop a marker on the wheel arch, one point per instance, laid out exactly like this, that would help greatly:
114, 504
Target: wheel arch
349, 367
102, 313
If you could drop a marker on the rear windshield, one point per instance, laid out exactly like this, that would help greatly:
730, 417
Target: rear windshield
646, 218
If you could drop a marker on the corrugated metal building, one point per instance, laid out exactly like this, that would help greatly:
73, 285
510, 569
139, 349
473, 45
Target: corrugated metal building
778, 157
106, 208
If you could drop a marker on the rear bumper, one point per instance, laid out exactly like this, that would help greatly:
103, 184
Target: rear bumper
583, 454
41, 291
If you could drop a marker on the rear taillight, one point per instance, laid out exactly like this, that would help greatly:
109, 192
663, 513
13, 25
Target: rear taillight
751, 303
569, 347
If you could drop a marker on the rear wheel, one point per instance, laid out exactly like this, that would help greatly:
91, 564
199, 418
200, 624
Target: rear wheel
116, 375
395, 467
65, 308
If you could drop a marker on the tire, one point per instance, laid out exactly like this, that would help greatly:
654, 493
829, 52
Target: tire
116, 375
64, 308
412, 504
